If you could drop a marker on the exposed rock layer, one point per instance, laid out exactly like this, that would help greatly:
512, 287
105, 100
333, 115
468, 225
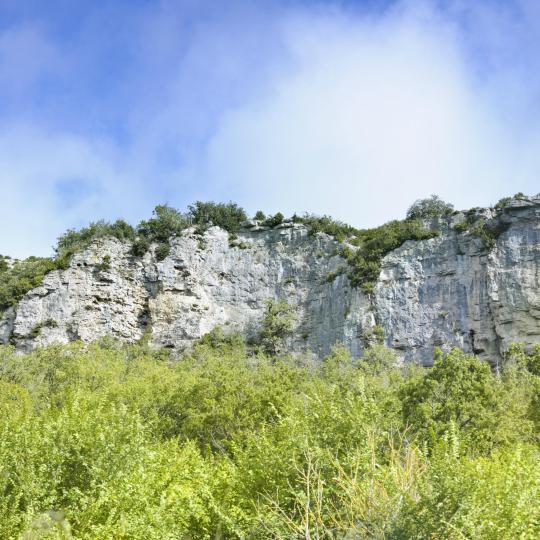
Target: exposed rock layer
447, 291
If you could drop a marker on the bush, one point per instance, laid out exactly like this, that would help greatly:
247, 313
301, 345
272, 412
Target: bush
275, 220
325, 224
374, 244
22, 277
117, 441
431, 207
162, 251
165, 223
277, 325
228, 216
4, 263
461, 391
73, 241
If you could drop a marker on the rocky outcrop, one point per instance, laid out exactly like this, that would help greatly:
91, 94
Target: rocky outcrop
452, 291
446, 291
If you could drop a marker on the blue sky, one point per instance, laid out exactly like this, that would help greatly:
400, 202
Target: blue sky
353, 109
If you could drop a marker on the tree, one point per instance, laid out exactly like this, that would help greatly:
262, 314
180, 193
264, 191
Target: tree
431, 207
277, 325
460, 390
274, 220
228, 216
166, 222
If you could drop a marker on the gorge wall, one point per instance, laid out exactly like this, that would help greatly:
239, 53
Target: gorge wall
446, 291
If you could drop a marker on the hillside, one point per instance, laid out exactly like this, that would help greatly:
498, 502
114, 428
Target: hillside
182, 379
437, 279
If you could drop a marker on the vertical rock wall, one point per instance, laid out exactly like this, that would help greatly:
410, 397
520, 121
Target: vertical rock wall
443, 292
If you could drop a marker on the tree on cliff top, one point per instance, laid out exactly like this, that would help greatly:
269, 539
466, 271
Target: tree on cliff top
433, 206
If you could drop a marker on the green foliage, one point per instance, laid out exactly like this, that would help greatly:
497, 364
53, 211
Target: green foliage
275, 220
277, 325
105, 264
73, 241
259, 215
487, 231
140, 246
325, 224
528, 359
22, 276
165, 223
374, 244
228, 216
501, 203
162, 251
491, 498
48, 323
330, 278
462, 226
116, 441
461, 391
4, 263
431, 207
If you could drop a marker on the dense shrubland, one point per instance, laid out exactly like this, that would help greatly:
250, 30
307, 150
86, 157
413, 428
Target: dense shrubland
111, 441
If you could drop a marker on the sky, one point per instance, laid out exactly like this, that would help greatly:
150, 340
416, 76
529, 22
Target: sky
353, 109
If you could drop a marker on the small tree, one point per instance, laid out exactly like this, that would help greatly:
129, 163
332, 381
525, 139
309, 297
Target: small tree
260, 215
228, 216
277, 325
274, 220
460, 390
431, 207
3, 263
166, 222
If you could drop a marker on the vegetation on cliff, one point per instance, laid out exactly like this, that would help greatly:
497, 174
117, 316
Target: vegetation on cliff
363, 249
19, 277
109, 441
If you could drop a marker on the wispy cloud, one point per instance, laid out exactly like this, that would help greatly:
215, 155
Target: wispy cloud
291, 106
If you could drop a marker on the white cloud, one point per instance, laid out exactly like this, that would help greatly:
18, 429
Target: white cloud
320, 109
51, 181
376, 114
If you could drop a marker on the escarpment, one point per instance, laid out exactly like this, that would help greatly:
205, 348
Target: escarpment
475, 285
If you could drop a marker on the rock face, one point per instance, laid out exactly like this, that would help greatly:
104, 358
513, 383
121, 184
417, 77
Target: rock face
447, 291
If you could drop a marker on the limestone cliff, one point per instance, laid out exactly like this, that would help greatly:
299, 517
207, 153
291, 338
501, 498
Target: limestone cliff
447, 291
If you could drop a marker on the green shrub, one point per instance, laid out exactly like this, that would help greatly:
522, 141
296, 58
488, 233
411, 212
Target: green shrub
277, 325
462, 226
4, 263
105, 264
275, 220
107, 440
460, 390
374, 244
501, 203
140, 246
325, 224
21, 277
73, 240
162, 251
228, 216
431, 207
165, 223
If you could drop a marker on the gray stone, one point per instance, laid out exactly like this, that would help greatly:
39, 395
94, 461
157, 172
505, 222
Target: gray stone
442, 292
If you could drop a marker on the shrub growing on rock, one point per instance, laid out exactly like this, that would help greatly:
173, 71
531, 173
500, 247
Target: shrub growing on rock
431, 207
21, 277
277, 325
228, 216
